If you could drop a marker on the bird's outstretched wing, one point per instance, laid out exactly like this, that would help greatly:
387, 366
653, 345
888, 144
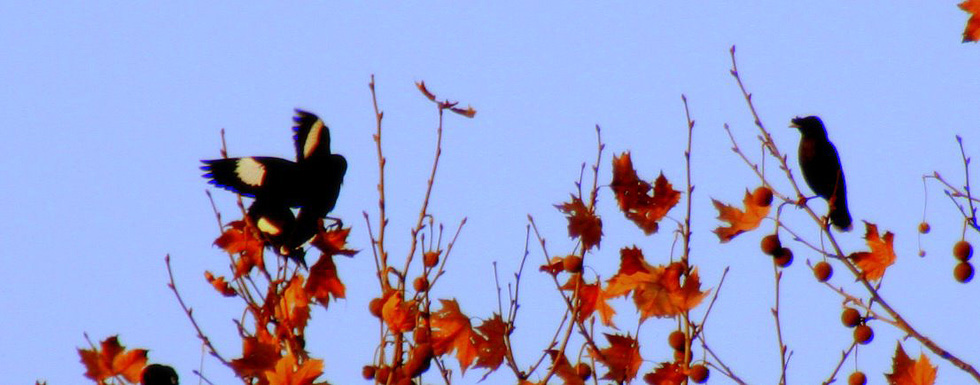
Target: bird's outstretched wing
311, 136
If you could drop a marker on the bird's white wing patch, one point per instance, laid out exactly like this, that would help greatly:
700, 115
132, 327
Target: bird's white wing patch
250, 171
312, 138
267, 227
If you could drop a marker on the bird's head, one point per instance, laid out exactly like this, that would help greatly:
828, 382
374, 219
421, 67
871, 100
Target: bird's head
810, 126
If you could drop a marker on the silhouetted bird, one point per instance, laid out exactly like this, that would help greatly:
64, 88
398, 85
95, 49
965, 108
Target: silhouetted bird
157, 374
312, 184
822, 170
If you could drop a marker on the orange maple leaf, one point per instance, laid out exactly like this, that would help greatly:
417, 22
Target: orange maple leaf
293, 308
906, 371
113, 360
397, 314
972, 31
635, 198
591, 298
739, 221
220, 284
622, 357
240, 239
333, 242
324, 282
668, 373
582, 222
882, 254
657, 290
491, 348
288, 372
451, 330
259, 354
564, 369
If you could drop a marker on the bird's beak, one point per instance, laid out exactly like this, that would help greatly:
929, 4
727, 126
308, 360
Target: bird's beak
793, 123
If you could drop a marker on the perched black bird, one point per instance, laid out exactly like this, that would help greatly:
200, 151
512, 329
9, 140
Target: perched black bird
311, 184
157, 374
822, 170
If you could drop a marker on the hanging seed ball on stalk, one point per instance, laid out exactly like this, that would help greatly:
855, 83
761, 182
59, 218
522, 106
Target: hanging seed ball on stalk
368, 372
863, 334
963, 272
572, 264
770, 244
783, 257
583, 370
923, 229
850, 317
762, 196
375, 307
962, 250
430, 259
823, 271
857, 378
677, 340
421, 283
699, 374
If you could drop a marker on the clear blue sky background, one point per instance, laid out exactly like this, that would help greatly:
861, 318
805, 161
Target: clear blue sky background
107, 108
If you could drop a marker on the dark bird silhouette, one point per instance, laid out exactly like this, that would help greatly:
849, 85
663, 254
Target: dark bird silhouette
822, 170
311, 184
157, 374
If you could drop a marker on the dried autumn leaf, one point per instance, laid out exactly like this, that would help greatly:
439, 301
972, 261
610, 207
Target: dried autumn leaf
220, 284
113, 360
555, 266
668, 373
591, 298
972, 31
564, 369
491, 348
324, 282
398, 314
739, 221
333, 242
634, 198
622, 357
259, 354
293, 308
288, 372
240, 239
582, 222
451, 330
425, 91
468, 112
906, 371
657, 290
882, 254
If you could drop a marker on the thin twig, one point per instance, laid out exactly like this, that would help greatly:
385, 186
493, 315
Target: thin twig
383, 221
843, 357
784, 360
190, 315
568, 301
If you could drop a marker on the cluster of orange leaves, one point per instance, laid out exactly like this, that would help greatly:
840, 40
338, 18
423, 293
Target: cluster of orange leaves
274, 352
657, 291
445, 331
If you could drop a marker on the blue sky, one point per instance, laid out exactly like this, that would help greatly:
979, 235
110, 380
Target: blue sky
108, 108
